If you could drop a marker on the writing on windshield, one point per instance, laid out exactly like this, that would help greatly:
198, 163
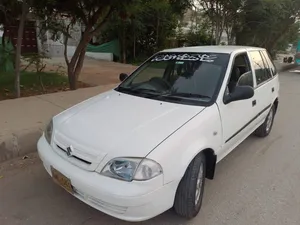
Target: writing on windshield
185, 57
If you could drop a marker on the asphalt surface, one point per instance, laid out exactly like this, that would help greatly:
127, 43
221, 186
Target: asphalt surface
258, 183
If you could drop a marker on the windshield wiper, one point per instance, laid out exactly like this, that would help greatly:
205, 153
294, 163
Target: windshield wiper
146, 91
181, 95
143, 91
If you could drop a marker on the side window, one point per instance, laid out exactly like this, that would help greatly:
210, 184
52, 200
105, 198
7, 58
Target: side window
268, 71
259, 67
272, 67
241, 73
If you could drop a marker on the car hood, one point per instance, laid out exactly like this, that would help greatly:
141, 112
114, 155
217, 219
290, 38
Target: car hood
120, 125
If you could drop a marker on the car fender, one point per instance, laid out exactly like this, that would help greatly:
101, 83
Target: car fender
204, 131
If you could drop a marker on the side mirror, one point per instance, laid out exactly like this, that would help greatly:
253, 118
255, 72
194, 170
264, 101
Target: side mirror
123, 76
239, 93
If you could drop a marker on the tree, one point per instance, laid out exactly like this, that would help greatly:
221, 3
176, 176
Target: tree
11, 9
265, 23
126, 26
146, 27
223, 15
25, 11
61, 16
199, 30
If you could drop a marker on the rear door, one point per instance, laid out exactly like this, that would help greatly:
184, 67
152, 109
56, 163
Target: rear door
275, 80
263, 85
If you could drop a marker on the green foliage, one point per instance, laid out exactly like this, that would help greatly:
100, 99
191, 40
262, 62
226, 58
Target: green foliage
268, 23
30, 83
180, 6
198, 38
61, 16
37, 60
6, 57
290, 37
224, 15
9, 10
146, 28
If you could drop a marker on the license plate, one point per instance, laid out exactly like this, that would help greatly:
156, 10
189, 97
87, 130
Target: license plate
62, 180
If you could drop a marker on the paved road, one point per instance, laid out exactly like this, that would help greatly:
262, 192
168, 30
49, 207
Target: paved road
258, 183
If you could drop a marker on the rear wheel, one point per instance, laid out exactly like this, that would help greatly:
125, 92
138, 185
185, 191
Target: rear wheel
189, 194
265, 129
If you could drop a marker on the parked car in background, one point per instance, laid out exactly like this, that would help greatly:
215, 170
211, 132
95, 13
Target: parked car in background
149, 144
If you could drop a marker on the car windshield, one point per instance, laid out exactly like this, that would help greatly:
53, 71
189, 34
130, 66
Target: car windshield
178, 77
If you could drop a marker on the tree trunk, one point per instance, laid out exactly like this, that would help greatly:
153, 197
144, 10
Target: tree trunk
124, 45
134, 44
72, 79
217, 34
76, 63
212, 34
19, 48
3, 38
157, 33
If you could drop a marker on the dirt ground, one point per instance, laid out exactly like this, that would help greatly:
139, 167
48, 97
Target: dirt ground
94, 72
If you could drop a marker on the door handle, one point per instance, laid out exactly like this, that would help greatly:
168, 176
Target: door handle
273, 89
254, 103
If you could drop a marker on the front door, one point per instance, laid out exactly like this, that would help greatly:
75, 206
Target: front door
237, 117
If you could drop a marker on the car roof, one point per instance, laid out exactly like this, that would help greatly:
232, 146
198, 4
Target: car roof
228, 49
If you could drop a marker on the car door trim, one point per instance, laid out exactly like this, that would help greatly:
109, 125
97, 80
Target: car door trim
247, 124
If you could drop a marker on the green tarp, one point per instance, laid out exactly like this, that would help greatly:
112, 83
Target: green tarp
6, 57
109, 47
297, 56
298, 46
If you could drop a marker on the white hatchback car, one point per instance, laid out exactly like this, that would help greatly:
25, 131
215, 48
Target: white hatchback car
148, 145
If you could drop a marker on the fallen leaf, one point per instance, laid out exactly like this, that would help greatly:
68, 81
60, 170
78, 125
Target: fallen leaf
1, 177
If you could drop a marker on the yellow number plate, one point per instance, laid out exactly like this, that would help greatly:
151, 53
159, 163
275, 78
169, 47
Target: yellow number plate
62, 180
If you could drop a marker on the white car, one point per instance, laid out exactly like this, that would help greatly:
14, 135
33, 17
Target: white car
148, 145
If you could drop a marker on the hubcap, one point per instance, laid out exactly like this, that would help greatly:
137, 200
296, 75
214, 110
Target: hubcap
199, 185
269, 121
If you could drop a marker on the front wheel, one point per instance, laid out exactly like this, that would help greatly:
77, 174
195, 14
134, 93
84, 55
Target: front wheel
265, 129
188, 199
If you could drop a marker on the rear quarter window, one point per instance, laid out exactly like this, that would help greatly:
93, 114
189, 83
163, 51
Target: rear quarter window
261, 74
270, 63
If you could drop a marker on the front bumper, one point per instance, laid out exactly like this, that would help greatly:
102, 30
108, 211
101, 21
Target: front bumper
131, 201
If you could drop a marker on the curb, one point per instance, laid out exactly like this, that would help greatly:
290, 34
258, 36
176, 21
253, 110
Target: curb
16, 139
286, 67
19, 143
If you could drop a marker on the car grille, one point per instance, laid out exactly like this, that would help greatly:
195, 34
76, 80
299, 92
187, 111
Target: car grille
82, 156
76, 157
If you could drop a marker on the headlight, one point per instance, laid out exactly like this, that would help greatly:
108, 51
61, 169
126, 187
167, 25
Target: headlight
48, 132
129, 169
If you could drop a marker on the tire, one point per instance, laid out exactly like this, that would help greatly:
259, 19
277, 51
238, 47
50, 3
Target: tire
188, 199
265, 129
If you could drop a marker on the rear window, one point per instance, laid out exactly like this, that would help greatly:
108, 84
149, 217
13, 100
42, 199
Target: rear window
261, 72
